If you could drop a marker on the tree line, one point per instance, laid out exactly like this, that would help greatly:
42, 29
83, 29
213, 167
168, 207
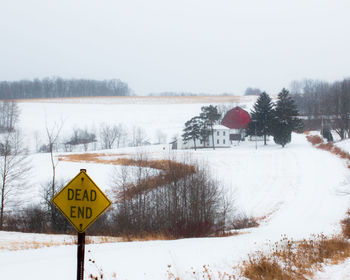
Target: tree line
324, 104
58, 87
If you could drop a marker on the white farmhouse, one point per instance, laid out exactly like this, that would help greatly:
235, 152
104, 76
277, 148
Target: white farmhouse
221, 140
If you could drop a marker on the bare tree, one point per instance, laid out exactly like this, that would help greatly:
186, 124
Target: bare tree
37, 141
121, 135
111, 134
52, 134
139, 136
14, 166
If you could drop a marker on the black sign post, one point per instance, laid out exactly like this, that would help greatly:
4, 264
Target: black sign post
81, 254
81, 251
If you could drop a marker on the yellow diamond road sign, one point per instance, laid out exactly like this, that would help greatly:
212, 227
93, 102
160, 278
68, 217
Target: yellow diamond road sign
81, 201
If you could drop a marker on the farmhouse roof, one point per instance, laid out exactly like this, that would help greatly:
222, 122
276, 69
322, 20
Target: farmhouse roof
221, 127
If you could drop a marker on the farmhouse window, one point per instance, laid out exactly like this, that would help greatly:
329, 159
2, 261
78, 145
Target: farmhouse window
218, 133
223, 141
218, 141
223, 133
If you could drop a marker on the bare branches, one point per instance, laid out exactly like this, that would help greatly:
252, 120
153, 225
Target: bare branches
182, 200
9, 115
14, 166
111, 135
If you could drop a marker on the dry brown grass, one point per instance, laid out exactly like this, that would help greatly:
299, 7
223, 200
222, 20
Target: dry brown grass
170, 169
264, 267
92, 157
147, 237
297, 260
150, 236
28, 245
345, 224
102, 239
287, 259
314, 139
34, 244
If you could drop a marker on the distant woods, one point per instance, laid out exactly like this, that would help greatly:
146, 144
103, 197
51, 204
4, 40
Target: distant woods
326, 105
252, 91
59, 87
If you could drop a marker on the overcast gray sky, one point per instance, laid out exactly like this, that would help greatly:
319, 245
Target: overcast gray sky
179, 45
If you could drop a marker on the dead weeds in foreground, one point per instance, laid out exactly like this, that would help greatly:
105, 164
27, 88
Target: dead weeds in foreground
296, 260
287, 260
70, 240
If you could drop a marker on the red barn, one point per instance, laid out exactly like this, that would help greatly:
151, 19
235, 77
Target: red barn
237, 120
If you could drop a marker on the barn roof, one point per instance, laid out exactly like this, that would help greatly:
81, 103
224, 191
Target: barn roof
236, 118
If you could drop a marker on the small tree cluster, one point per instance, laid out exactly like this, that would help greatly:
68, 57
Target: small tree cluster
186, 206
278, 120
80, 137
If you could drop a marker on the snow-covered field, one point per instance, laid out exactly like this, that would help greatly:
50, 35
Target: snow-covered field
299, 189
344, 145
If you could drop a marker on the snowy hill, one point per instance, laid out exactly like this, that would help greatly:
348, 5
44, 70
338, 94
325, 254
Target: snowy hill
299, 190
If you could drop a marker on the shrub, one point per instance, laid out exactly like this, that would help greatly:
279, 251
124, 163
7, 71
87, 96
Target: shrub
35, 219
243, 221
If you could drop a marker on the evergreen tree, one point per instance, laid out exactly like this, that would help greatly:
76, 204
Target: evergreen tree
286, 119
262, 117
210, 116
204, 130
192, 130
